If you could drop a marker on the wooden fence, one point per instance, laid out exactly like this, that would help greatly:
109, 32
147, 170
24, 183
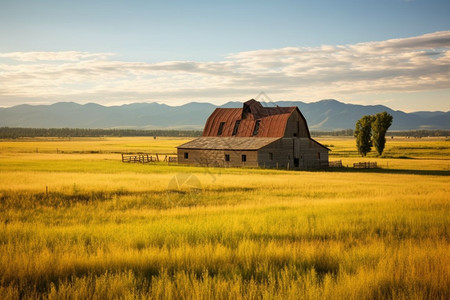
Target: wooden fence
365, 165
147, 157
335, 164
144, 158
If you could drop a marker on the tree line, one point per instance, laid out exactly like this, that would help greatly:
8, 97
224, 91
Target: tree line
421, 133
343, 132
16, 132
404, 133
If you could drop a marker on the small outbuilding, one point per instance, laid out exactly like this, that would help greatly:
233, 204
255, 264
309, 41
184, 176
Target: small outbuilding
255, 136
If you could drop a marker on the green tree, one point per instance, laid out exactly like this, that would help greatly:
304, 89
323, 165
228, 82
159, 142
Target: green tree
381, 123
363, 134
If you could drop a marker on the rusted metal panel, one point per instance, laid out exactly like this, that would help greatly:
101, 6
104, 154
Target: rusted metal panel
227, 115
273, 120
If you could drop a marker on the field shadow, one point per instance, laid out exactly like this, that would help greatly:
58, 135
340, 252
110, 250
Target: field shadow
390, 171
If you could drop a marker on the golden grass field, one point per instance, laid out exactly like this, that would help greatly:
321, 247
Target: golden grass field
77, 223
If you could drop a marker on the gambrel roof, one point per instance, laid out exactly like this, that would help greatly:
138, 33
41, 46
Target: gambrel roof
272, 121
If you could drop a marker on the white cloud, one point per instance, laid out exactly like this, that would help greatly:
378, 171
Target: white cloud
53, 56
406, 65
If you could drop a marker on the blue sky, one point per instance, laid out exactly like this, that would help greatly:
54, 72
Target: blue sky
391, 52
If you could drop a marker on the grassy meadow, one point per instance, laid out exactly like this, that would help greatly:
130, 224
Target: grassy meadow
76, 223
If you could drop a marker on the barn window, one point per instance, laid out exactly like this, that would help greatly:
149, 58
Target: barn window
236, 127
227, 157
244, 157
271, 156
256, 129
318, 155
219, 132
186, 155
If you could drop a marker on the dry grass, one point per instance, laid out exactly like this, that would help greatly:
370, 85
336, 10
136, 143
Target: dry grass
110, 230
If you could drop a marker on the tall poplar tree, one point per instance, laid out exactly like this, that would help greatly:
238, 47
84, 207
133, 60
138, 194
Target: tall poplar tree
363, 135
380, 125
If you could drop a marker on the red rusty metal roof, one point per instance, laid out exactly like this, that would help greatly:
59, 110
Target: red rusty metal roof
272, 123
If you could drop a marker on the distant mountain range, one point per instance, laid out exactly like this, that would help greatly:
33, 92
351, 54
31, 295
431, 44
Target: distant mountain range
324, 115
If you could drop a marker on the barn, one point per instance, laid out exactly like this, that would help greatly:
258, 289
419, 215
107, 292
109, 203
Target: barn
255, 136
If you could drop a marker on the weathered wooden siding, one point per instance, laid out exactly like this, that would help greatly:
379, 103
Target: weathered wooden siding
296, 126
216, 158
311, 154
283, 153
293, 153
236, 158
276, 155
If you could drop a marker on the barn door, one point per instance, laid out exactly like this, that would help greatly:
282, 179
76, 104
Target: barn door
296, 152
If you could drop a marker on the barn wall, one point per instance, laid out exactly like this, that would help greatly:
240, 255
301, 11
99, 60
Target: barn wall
293, 153
296, 126
236, 158
284, 153
216, 158
311, 154
277, 155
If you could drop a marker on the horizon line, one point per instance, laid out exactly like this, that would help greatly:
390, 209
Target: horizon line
216, 105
